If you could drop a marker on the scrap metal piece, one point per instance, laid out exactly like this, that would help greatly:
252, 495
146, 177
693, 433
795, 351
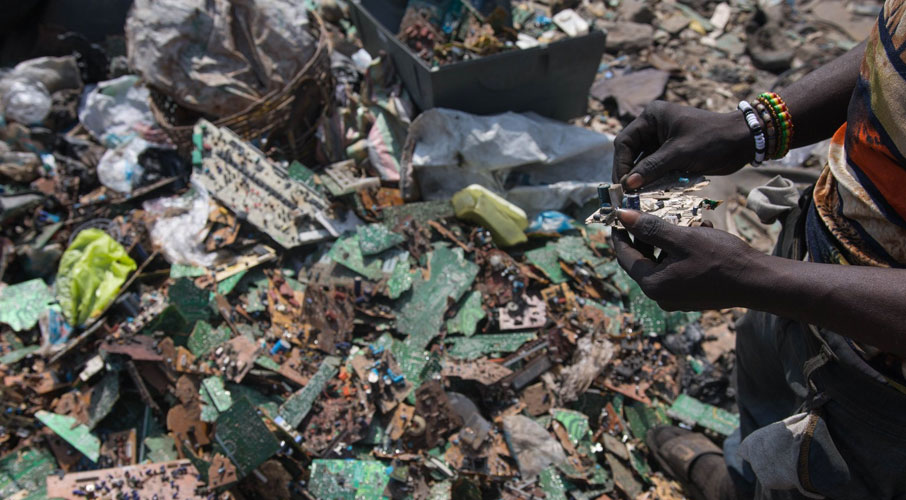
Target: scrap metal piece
299, 404
348, 479
671, 200
531, 371
375, 238
546, 259
204, 338
529, 312
76, 434
481, 370
138, 347
23, 473
341, 179
468, 316
242, 436
384, 380
347, 251
22, 304
433, 405
103, 396
243, 179
215, 398
693, 411
487, 343
450, 275
400, 278
175, 479
119, 449
476, 428
624, 478
258, 255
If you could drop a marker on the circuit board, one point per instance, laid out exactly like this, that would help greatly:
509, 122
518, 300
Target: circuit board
486, 344
76, 434
670, 199
693, 411
176, 479
348, 479
299, 404
22, 473
243, 437
258, 190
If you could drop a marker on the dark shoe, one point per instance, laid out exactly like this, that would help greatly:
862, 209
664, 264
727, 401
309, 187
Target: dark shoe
693, 460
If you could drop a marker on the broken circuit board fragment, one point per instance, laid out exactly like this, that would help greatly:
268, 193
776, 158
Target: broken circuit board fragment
671, 199
173, 479
241, 176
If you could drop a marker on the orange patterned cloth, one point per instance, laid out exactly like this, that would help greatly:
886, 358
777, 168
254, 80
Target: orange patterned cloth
859, 215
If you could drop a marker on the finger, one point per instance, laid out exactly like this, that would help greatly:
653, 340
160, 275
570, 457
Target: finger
644, 248
652, 230
629, 144
630, 259
651, 168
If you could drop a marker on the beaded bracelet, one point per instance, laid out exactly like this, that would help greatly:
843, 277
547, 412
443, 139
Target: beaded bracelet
770, 130
779, 134
784, 121
755, 129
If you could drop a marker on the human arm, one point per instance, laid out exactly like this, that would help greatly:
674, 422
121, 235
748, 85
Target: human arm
670, 137
705, 268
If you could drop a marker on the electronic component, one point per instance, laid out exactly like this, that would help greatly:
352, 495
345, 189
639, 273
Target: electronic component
241, 176
671, 199
176, 479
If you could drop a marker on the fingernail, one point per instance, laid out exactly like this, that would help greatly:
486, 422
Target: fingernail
634, 181
628, 217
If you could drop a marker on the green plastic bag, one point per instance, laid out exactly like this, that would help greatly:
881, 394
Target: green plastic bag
91, 272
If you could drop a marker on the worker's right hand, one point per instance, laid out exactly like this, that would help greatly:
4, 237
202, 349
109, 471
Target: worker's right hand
670, 137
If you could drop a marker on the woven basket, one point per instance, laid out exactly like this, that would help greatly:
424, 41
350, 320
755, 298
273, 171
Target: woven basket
288, 117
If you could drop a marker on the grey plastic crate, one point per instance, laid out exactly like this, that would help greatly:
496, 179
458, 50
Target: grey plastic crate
551, 80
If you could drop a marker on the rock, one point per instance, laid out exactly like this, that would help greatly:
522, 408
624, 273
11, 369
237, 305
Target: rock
721, 16
770, 49
627, 36
20, 166
632, 91
731, 45
636, 11
674, 24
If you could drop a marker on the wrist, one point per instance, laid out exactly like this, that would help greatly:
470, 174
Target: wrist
739, 136
764, 281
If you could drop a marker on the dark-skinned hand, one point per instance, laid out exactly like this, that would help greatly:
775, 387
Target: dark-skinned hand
677, 138
698, 267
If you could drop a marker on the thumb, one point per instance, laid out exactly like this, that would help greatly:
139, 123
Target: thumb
650, 229
650, 169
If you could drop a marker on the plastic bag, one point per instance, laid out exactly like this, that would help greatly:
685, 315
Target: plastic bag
180, 236
26, 101
112, 110
119, 169
534, 162
91, 272
218, 57
532, 446
550, 221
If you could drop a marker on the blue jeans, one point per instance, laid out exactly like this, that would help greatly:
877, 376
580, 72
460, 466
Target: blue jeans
815, 419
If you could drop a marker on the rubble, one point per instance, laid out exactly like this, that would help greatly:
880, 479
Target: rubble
290, 282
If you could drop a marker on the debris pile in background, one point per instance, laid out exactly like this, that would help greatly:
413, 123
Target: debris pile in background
340, 297
452, 31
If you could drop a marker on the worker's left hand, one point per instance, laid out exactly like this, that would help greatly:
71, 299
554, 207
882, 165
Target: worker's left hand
698, 267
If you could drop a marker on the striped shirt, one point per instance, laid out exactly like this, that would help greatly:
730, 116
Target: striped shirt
859, 211
860, 197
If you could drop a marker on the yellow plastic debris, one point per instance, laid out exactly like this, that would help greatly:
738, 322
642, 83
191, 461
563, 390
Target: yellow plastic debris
91, 272
505, 221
